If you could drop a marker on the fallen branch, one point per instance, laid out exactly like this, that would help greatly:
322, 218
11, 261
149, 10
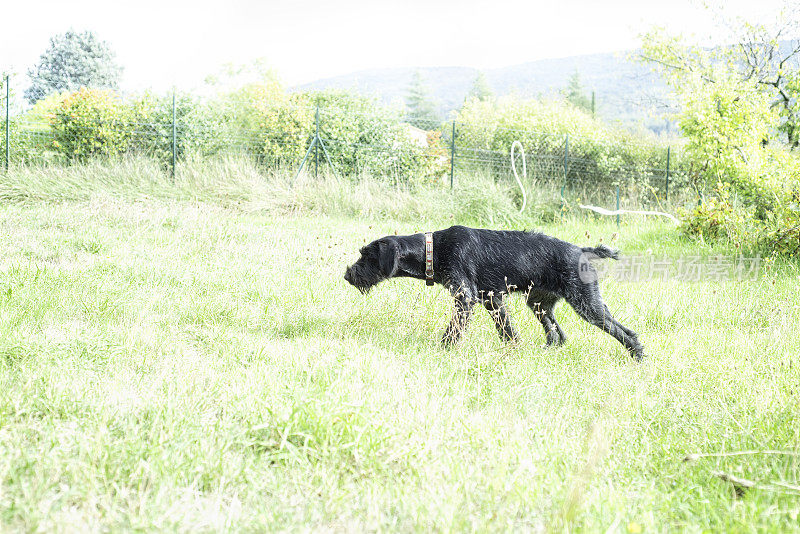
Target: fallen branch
696, 456
741, 484
736, 481
603, 211
786, 485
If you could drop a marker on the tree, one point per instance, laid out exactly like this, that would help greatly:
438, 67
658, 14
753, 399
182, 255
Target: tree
574, 93
734, 101
421, 109
764, 58
480, 88
72, 61
730, 110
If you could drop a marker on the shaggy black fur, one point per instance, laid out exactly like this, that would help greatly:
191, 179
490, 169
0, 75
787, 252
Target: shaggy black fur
482, 266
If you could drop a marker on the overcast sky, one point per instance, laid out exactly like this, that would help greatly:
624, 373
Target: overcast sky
162, 43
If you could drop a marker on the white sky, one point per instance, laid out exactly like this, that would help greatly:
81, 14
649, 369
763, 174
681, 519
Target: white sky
162, 43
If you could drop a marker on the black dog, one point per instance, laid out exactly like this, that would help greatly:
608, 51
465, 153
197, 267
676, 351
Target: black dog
482, 266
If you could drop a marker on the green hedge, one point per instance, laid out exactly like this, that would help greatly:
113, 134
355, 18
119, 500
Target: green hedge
361, 135
606, 153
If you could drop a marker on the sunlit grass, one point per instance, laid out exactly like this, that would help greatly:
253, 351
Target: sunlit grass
185, 363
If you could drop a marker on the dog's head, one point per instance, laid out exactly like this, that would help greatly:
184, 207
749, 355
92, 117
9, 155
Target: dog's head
378, 262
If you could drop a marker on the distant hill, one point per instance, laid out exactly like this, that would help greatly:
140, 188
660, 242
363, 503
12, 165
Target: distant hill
625, 91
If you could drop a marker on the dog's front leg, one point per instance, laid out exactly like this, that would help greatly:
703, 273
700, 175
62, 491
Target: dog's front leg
461, 315
505, 326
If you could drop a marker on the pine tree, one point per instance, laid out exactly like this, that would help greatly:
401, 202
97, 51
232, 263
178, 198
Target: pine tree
480, 88
575, 95
72, 61
421, 109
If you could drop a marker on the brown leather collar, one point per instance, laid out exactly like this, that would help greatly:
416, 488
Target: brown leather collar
429, 258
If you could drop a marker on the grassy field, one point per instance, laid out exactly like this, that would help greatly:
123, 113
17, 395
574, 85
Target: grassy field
180, 358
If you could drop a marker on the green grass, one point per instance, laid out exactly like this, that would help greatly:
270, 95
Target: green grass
189, 358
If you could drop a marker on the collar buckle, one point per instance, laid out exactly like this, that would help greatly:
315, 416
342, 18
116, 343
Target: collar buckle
429, 258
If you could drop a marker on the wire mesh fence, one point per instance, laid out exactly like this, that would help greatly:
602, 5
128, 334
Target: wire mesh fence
348, 136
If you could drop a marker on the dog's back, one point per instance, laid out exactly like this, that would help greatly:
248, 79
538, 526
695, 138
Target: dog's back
509, 260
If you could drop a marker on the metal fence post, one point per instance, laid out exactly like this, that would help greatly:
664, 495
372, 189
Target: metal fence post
617, 206
566, 158
8, 128
452, 154
316, 144
666, 183
174, 136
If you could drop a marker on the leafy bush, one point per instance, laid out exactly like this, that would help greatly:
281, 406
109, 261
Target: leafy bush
90, 122
364, 137
723, 218
149, 126
44, 110
260, 118
595, 152
31, 134
283, 130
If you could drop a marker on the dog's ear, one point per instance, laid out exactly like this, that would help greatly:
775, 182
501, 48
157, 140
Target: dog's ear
388, 255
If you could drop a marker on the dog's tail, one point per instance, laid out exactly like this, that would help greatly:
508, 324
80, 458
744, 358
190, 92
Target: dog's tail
602, 251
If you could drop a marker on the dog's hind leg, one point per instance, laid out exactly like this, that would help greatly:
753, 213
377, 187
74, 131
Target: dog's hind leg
461, 316
551, 324
562, 337
505, 326
589, 306
542, 305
